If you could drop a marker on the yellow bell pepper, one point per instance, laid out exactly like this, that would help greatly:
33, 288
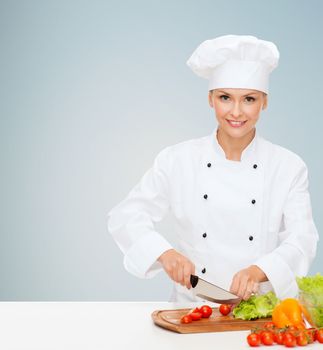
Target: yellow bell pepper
288, 313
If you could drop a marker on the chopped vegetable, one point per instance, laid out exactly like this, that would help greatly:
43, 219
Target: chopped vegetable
257, 306
186, 319
197, 313
195, 316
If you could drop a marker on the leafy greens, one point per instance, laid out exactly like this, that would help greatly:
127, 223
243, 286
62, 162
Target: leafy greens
257, 306
311, 296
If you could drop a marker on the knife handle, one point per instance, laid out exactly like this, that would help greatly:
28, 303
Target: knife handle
194, 280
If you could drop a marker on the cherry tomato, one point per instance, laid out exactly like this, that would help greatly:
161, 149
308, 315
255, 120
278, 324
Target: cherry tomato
309, 331
289, 340
292, 329
225, 309
267, 338
269, 325
186, 319
206, 311
319, 335
197, 309
302, 339
279, 337
253, 339
311, 335
195, 316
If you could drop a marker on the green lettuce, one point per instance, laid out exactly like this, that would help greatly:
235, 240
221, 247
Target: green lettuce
311, 296
257, 306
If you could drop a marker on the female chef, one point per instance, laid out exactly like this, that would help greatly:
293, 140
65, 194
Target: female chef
241, 203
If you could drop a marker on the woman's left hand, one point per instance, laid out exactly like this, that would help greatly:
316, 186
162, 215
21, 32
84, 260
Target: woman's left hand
246, 281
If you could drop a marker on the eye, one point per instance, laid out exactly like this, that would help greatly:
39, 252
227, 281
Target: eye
250, 99
224, 97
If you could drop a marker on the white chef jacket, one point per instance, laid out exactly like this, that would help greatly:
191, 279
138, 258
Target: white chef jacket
229, 214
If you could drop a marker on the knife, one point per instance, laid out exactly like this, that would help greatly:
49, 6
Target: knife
212, 292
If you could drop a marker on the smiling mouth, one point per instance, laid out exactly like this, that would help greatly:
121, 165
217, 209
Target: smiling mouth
236, 124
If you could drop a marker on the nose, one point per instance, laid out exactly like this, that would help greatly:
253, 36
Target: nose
236, 111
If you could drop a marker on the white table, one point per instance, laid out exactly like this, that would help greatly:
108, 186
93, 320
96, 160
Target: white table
103, 325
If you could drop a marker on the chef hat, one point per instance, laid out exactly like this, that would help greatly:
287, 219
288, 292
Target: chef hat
235, 61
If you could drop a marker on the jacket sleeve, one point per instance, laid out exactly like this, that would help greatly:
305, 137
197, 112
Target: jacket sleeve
297, 247
131, 223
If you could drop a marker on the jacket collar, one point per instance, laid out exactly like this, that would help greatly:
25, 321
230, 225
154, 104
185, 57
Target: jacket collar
248, 154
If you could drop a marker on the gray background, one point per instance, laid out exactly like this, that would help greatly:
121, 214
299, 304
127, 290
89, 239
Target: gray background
91, 91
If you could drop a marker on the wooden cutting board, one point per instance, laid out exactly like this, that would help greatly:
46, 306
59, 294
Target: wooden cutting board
171, 320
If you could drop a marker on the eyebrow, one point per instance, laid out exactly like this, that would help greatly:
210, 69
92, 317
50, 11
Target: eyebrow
250, 93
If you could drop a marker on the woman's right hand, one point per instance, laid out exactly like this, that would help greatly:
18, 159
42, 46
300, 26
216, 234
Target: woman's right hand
178, 267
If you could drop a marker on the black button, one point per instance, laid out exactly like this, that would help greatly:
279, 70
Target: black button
205, 196
204, 270
253, 201
209, 165
250, 238
204, 235
255, 166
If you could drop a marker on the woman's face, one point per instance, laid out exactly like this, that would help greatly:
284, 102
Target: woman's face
237, 110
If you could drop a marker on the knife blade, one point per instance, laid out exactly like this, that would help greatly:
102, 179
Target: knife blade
211, 292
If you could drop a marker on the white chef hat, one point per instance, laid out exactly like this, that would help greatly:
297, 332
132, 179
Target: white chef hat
235, 61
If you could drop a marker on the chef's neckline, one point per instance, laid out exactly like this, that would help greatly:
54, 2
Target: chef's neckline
248, 154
